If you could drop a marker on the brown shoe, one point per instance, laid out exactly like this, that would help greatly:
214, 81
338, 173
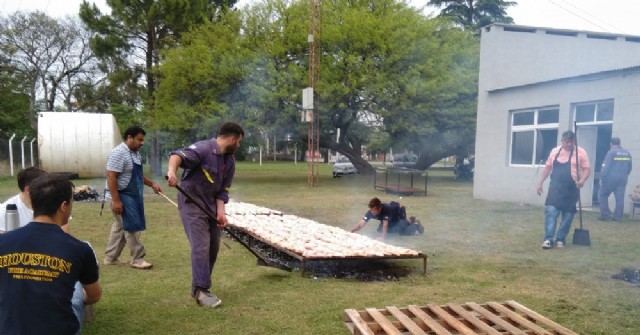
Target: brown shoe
141, 264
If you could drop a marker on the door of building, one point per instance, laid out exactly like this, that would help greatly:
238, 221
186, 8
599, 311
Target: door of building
588, 139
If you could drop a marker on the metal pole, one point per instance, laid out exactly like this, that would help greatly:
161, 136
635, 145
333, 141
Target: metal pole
11, 154
31, 150
313, 140
22, 150
575, 125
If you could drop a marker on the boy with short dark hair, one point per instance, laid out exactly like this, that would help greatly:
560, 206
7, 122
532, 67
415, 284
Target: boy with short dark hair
22, 200
40, 265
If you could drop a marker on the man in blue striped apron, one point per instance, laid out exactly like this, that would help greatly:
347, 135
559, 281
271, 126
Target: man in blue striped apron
125, 182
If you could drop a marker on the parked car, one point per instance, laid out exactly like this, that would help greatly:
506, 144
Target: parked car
407, 161
343, 166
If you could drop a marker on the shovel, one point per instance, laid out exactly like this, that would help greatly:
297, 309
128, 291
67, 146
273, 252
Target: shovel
261, 260
580, 236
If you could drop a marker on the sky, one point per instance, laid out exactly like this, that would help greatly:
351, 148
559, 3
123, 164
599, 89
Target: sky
612, 16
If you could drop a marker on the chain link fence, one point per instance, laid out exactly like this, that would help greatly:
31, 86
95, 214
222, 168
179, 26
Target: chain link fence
17, 153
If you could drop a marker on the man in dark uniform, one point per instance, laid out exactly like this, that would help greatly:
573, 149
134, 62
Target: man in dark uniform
392, 217
616, 168
209, 167
568, 175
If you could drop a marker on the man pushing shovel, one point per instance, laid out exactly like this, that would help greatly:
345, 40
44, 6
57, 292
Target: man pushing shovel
208, 170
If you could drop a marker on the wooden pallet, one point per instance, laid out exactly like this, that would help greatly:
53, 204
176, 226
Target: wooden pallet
491, 318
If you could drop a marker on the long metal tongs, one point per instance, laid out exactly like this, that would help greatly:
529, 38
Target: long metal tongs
261, 260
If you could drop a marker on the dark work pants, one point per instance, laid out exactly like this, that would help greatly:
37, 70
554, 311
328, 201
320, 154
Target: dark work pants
204, 237
404, 228
617, 186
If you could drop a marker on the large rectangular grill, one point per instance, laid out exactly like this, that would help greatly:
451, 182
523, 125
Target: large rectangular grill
308, 240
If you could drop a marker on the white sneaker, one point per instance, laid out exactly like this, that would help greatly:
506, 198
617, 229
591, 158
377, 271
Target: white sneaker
141, 264
547, 245
559, 244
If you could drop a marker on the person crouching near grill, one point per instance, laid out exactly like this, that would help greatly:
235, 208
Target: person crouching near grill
392, 217
40, 265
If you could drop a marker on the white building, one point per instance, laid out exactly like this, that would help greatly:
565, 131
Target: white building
534, 83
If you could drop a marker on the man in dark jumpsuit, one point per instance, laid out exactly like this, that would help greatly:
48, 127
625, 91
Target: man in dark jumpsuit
616, 168
567, 177
209, 167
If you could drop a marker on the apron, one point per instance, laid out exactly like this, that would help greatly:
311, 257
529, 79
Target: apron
563, 192
132, 201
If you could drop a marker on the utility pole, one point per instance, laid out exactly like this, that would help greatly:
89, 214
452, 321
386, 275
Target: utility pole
310, 103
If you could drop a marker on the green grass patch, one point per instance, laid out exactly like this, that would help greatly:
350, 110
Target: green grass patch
478, 251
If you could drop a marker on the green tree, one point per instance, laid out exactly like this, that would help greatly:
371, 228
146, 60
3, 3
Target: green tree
442, 122
199, 77
474, 14
50, 55
276, 31
389, 77
14, 102
136, 32
244, 67
390, 67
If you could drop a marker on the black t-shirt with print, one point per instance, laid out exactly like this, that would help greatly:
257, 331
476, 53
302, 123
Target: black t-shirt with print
39, 266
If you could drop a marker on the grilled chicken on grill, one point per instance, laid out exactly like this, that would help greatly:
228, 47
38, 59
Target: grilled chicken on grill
306, 237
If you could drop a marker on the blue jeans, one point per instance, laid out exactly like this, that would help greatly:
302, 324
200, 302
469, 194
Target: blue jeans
77, 303
551, 214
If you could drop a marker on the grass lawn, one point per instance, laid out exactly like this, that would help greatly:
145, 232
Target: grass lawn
478, 251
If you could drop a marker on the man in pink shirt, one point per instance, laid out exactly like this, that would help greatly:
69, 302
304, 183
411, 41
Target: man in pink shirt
567, 177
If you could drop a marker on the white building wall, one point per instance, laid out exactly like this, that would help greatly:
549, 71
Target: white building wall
509, 58
504, 62
496, 180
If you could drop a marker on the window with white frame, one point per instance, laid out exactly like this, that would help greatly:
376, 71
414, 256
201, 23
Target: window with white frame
534, 132
594, 111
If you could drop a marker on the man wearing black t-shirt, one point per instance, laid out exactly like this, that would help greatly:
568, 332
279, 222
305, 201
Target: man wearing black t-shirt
392, 217
40, 264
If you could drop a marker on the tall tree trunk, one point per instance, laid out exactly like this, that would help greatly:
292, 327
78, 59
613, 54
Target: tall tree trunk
156, 160
33, 120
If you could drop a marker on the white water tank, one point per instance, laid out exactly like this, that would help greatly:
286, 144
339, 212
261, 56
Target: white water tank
76, 142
